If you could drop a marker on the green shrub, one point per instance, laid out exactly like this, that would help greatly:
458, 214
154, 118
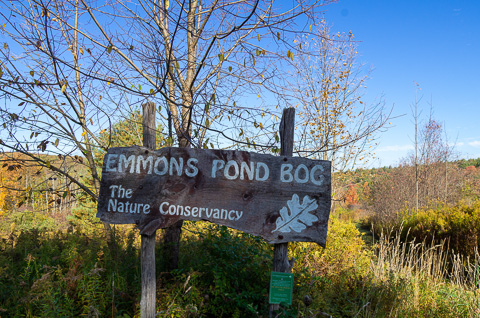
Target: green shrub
332, 276
68, 274
459, 225
226, 273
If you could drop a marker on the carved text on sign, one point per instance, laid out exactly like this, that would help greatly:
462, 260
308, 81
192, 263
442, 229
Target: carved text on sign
279, 198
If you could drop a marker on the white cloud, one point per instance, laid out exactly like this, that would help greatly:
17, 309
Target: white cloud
475, 143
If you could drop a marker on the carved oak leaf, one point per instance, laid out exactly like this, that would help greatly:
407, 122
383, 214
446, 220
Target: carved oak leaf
297, 217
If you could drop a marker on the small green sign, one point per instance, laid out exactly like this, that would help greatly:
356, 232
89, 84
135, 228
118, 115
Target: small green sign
281, 288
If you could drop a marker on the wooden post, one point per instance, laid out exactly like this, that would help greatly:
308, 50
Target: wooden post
280, 251
149, 284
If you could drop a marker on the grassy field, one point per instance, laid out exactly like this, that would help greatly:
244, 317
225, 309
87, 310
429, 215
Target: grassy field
57, 259
82, 271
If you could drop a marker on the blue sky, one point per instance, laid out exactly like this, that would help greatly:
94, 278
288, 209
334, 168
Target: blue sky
433, 43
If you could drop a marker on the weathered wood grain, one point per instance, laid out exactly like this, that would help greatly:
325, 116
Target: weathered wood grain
147, 253
221, 186
280, 250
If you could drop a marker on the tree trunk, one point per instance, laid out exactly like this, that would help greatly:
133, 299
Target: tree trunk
171, 245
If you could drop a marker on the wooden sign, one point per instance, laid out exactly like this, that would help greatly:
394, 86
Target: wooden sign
279, 198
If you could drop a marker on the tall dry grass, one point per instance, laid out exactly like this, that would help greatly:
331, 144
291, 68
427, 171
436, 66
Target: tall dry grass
421, 280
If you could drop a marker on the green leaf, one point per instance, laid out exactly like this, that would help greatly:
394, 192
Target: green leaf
258, 37
56, 142
229, 68
221, 57
109, 49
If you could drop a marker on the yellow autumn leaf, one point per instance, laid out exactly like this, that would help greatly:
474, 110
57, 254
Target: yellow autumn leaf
64, 87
